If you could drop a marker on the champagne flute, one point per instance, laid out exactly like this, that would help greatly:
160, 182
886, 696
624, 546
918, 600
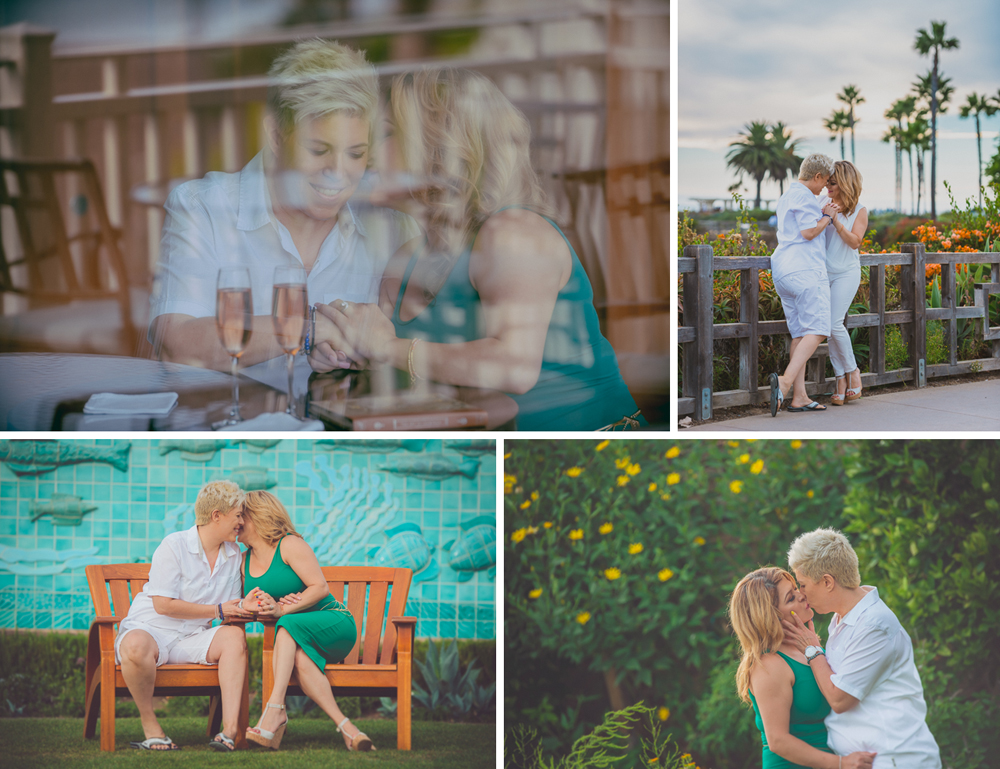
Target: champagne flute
234, 321
290, 311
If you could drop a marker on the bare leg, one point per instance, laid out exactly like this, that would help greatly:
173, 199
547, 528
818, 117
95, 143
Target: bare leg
802, 349
316, 686
283, 660
139, 653
229, 650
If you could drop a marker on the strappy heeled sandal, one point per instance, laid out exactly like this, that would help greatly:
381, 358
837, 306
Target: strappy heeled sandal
359, 742
853, 393
263, 737
837, 399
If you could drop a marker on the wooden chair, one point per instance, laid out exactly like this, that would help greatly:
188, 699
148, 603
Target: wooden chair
68, 266
367, 671
104, 679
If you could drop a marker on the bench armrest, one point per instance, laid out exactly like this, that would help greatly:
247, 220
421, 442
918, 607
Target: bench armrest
401, 621
107, 620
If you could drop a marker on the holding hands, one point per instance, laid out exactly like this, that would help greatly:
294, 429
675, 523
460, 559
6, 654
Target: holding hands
363, 329
264, 605
831, 209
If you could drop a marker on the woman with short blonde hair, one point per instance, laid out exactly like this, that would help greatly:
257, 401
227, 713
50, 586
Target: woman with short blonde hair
775, 679
843, 267
825, 551
493, 296
282, 579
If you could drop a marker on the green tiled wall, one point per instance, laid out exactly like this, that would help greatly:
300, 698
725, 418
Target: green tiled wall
132, 506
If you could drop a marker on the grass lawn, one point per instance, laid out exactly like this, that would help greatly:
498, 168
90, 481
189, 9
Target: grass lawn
59, 742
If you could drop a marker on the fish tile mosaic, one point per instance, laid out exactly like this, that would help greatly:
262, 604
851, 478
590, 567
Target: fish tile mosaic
429, 505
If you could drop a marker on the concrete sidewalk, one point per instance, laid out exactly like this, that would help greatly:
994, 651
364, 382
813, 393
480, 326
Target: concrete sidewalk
960, 407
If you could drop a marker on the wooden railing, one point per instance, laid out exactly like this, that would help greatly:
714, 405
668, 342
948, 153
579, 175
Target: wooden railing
698, 332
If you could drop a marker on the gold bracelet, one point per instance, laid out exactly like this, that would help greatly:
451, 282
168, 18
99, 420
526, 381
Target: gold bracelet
409, 363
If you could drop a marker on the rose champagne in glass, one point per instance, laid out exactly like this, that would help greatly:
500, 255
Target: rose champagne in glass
290, 312
234, 321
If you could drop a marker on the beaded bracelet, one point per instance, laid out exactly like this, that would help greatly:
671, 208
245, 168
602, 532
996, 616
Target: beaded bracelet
222, 615
310, 330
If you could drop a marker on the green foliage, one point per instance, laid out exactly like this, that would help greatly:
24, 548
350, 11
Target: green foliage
634, 551
608, 745
42, 674
726, 733
925, 521
449, 691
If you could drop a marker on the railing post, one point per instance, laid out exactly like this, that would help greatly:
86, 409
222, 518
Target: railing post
913, 287
698, 356
750, 344
27, 83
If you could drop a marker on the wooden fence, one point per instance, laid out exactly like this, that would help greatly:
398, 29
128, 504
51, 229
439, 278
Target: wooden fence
698, 332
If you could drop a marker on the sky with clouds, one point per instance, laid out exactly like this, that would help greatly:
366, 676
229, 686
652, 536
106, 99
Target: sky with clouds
780, 60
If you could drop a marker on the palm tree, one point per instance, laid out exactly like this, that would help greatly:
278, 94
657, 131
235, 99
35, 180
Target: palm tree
918, 140
933, 43
851, 96
753, 154
785, 160
901, 108
837, 124
976, 105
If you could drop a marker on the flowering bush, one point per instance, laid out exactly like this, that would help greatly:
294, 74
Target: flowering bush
638, 598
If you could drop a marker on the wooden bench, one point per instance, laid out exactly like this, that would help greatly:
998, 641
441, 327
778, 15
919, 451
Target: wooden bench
372, 669
104, 679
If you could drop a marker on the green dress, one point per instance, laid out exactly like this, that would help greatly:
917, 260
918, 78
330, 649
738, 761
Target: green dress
326, 631
809, 708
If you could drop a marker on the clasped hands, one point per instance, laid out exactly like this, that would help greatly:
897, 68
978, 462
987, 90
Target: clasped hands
261, 604
831, 209
350, 335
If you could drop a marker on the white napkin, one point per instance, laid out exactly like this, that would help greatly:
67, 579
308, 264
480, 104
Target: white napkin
151, 404
278, 422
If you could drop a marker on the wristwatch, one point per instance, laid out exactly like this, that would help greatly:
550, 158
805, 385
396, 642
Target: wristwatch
812, 652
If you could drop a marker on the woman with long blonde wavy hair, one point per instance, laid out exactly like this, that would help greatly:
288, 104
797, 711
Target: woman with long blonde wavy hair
492, 295
774, 677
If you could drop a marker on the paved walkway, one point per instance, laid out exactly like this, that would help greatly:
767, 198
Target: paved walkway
961, 407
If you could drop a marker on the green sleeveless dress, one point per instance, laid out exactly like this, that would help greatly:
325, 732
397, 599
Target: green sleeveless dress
326, 631
579, 387
809, 708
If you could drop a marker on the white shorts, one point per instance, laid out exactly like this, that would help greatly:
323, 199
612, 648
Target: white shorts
805, 298
173, 649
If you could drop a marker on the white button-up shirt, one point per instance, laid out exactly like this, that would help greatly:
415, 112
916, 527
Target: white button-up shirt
180, 570
873, 659
798, 209
227, 220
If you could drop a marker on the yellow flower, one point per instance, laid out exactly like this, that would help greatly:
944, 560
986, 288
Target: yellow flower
665, 496
518, 535
532, 529
612, 574
736, 486
810, 493
534, 496
744, 458
583, 617
547, 524
663, 714
699, 541
601, 446
673, 479
622, 463
796, 444
623, 479
734, 444
507, 455
635, 548
664, 574
508, 483
574, 472
633, 469
606, 528
576, 534
752, 440
757, 467
652, 487
535, 593
526, 504
673, 451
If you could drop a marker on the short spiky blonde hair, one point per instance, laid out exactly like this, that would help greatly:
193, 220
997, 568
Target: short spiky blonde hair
816, 164
317, 77
825, 551
268, 516
217, 495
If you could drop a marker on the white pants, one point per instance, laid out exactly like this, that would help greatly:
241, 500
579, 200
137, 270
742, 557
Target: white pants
843, 289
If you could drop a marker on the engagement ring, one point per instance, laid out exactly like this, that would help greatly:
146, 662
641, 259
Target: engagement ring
343, 305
